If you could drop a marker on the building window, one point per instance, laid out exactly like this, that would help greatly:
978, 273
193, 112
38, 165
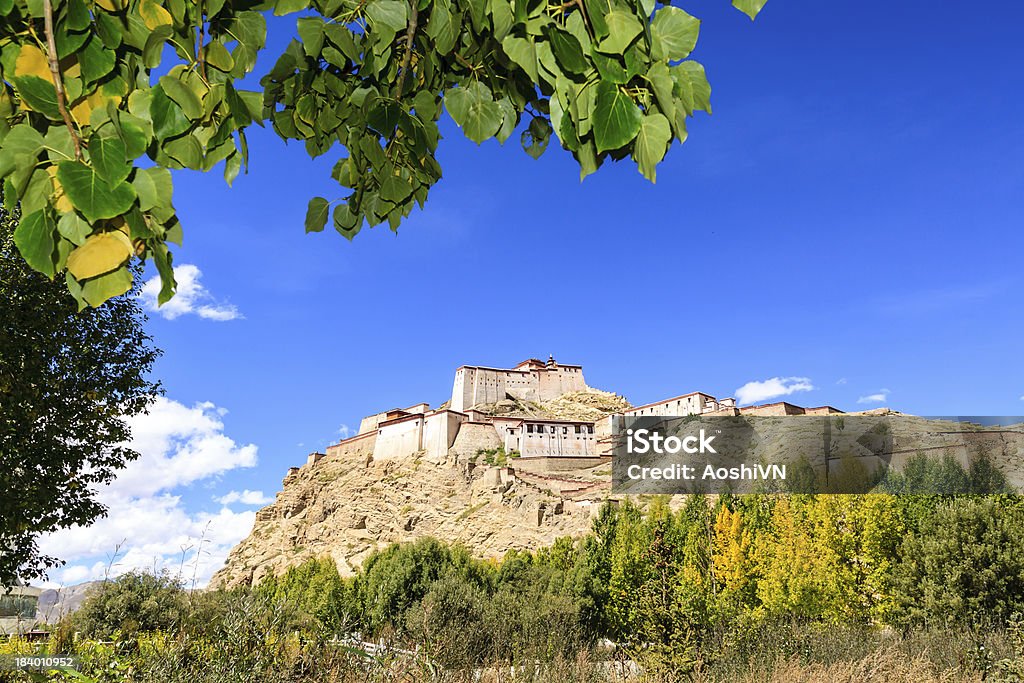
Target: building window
565, 430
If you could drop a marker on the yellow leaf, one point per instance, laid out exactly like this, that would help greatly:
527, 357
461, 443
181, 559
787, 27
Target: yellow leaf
154, 15
82, 110
60, 200
100, 254
110, 5
32, 62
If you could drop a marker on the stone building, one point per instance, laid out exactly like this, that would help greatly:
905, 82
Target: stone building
531, 380
464, 428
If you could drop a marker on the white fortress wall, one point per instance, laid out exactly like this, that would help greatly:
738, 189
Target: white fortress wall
399, 438
558, 380
439, 432
690, 404
557, 439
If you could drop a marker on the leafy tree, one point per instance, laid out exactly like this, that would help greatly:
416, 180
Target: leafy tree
317, 590
134, 602
398, 577
68, 380
85, 97
964, 565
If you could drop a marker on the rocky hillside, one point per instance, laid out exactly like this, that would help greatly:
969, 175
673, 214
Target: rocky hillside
348, 506
347, 509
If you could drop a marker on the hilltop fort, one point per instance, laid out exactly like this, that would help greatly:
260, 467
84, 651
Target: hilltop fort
510, 409
515, 459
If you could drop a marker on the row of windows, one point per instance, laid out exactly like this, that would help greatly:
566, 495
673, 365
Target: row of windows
551, 429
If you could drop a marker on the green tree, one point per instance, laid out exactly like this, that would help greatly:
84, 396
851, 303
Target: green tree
82, 104
964, 565
68, 380
316, 589
134, 602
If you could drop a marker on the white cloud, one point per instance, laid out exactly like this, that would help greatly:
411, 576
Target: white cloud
190, 297
344, 431
880, 397
148, 525
754, 392
841, 380
179, 446
245, 497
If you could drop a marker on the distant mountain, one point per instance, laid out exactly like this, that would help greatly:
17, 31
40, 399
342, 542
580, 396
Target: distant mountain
55, 603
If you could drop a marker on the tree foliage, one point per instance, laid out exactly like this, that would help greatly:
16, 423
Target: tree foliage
134, 602
91, 120
68, 380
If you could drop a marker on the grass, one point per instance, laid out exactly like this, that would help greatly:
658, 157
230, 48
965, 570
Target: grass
469, 511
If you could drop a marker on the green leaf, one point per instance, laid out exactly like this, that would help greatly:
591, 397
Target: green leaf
96, 60
501, 17
73, 228
186, 150
164, 259
78, 15
20, 149
692, 87
219, 58
567, 50
34, 238
346, 222
283, 7
109, 159
154, 187
749, 7
673, 34
311, 33
616, 117
39, 95
509, 120
92, 195
535, 139
100, 289
152, 50
442, 28
183, 95
651, 144
522, 52
475, 110
609, 67
232, 167
58, 144
168, 118
623, 28
390, 14
316, 214
109, 30
663, 85
135, 133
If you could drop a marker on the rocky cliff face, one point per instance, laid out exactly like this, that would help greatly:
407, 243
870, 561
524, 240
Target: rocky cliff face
346, 508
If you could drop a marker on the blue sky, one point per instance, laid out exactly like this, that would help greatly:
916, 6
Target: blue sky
848, 219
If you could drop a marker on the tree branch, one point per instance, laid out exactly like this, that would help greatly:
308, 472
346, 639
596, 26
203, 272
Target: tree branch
410, 33
58, 84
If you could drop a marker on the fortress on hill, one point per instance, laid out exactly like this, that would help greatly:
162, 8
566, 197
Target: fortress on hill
470, 422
